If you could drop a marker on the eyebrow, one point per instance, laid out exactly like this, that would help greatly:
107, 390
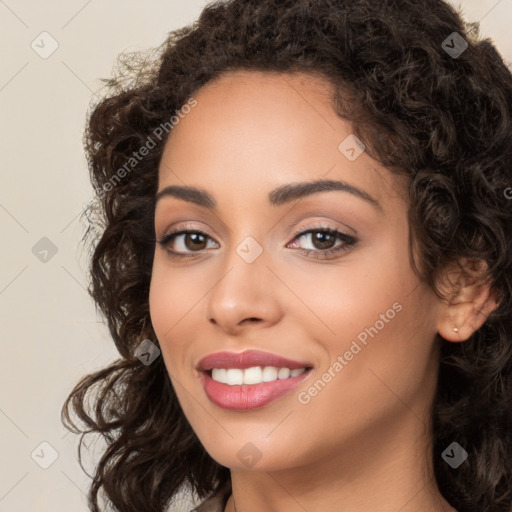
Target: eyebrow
277, 197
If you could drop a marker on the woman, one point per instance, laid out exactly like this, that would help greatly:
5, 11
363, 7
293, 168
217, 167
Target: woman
305, 262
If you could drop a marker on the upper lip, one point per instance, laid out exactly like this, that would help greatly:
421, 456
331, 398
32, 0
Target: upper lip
247, 359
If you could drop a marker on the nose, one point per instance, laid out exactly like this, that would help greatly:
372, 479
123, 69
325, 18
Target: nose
246, 294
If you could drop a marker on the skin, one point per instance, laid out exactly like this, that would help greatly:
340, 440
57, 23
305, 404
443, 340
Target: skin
363, 442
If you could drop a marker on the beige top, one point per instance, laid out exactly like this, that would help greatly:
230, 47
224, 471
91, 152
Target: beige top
216, 502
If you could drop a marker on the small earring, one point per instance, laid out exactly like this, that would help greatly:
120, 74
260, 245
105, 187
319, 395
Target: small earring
455, 329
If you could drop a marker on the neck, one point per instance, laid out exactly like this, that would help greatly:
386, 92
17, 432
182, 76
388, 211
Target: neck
388, 472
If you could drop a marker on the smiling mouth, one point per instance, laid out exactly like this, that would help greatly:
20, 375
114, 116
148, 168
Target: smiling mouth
246, 389
254, 374
251, 379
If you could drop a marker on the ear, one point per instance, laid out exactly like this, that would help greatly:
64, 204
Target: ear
469, 299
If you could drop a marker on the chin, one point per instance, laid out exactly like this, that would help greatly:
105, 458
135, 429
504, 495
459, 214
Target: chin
251, 452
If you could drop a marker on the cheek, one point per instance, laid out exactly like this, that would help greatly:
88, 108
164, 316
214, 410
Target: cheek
162, 301
173, 294
376, 314
351, 295
173, 297
168, 308
176, 303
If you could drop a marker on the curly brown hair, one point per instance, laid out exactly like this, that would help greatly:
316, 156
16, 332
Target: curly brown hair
443, 120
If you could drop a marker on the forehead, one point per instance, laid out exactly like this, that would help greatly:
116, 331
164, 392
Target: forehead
256, 130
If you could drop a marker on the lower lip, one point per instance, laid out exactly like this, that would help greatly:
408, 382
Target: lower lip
248, 396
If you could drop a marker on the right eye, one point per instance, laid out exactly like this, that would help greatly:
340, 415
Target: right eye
184, 243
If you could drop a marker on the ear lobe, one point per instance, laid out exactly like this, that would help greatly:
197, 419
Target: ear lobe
469, 300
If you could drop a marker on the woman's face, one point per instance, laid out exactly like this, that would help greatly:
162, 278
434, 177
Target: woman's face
347, 307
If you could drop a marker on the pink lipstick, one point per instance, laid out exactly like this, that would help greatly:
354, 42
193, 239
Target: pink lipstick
250, 379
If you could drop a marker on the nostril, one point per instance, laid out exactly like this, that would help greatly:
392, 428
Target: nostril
252, 319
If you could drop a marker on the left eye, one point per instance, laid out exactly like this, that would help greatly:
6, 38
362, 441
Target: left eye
320, 239
324, 241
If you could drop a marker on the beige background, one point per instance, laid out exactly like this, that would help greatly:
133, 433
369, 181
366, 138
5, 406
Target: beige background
51, 334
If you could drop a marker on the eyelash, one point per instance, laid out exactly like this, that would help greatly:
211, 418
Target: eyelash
348, 241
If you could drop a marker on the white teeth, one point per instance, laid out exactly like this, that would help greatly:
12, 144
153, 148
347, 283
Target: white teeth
220, 375
270, 373
235, 376
283, 373
253, 375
